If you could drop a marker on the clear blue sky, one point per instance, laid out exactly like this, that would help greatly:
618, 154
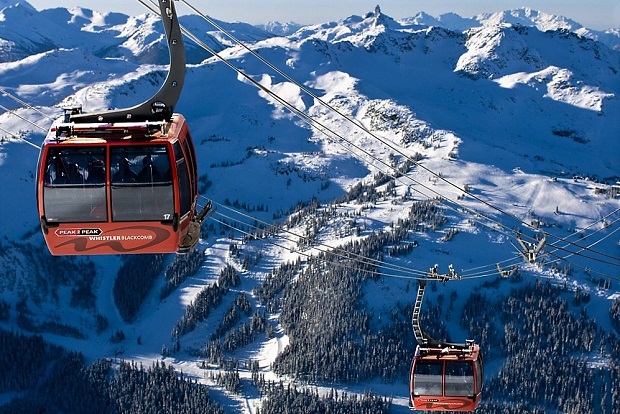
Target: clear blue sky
595, 14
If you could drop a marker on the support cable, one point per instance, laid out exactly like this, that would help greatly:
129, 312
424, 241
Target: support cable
20, 138
26, 104
12, 112
323, 127
335, 250
352, 121
367, 131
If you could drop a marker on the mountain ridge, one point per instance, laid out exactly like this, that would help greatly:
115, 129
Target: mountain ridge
113, 30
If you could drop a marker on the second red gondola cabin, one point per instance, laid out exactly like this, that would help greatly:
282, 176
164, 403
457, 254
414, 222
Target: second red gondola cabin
446, 379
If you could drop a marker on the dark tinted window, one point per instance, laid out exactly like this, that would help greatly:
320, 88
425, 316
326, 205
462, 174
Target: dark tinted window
140, 164
74, 185
188, 145
479, 370
184, 183
141, 183
459, 378
427, 378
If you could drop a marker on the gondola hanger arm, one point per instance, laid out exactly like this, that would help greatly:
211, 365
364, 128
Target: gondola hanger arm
161, 105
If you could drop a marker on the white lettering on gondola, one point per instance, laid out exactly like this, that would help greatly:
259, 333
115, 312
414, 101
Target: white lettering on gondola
122, 238
65, 232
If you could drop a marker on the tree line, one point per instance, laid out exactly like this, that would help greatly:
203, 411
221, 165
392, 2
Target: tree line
134, 280
549, 351
207, 299
53, 380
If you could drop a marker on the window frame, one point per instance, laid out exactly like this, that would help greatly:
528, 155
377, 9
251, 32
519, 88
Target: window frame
127, 194
65, 202
431, 378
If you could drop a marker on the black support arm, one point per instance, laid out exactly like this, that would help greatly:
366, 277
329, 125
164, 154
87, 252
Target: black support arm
161, 105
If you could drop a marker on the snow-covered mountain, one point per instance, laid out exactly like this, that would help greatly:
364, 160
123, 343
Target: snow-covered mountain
518, 17
512, 119
24, 31
280, 29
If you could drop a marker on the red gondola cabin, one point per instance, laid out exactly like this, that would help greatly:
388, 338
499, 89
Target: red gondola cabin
123, 181
448, 379
118, 188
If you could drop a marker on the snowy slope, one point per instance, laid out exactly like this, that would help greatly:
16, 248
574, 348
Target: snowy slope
523, 119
